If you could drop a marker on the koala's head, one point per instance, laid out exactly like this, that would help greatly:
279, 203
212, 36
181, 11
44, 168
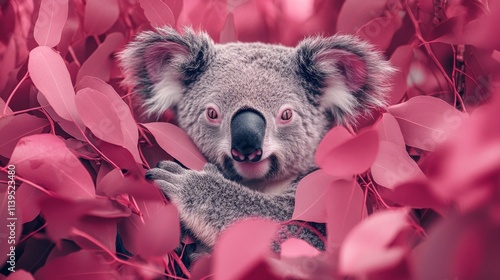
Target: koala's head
257, 111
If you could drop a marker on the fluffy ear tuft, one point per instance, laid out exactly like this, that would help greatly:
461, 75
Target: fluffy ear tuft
159, 64
344, 75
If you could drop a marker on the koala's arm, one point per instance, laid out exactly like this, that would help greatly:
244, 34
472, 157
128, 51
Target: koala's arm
208, 202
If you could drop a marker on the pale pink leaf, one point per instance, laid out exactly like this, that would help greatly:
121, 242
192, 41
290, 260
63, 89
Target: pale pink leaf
356, 13
97, 113
28, 198
388, 130
374, 235
155, 233
234, 256
99, 18
294, 248
127, 121
352, 156
45, 160
50, 22
426, 121
228, 33
50, 75
21, 125
393, 166
310, 199
158, 13
177, 143
345, 209
101, 62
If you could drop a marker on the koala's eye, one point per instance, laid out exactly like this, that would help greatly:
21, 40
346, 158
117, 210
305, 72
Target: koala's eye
212, 114
286, 115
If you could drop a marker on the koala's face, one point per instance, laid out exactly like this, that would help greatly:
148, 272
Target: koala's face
257, 111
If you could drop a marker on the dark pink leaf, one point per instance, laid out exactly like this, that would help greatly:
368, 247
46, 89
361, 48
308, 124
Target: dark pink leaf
339, 156
177, 143
8, 63
380, 31
234, 256
50, 75
356, 13
51, 19
20, 275
393, 166
426, 121
415, 195
311, 197
158, 13
98, 114
99, 18
20, 126
127, 121
81, 265
388, 130
294, 248
28, 198
345, 209
374, 235
155, 233
401, 59
45, 160
101, 62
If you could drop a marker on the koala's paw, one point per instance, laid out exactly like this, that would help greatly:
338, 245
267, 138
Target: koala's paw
179, 184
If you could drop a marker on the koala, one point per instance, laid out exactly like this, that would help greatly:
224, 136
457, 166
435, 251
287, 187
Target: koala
256, 111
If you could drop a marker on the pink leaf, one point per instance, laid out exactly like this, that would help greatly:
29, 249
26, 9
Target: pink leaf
155, 233
373, 235
426, 121
50, 75
80, 265
158, 13
340, 154
20, 126
100, 63
415, 195
20, 275
114, 183
28, 198
177, 143
97, 113
228, 33
99, 18
401, 59
311, 197
45, 160
234, 256
51, 19
356, 13
388, 130
393, 166
345, 208
127, 121
380, 31
294, 248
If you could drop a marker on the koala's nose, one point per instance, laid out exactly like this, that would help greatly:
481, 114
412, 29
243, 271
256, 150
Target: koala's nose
247, 135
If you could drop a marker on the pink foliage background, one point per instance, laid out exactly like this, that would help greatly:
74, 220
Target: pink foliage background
411, 194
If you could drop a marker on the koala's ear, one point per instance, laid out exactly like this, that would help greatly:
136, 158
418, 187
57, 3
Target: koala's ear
344, 75
160, 64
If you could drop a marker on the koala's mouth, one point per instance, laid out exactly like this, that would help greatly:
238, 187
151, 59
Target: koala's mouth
238, 171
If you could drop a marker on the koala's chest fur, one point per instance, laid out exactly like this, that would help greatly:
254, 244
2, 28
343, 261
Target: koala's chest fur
256, 111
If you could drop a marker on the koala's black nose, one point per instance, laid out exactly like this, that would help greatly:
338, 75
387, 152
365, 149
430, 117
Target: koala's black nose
247, 135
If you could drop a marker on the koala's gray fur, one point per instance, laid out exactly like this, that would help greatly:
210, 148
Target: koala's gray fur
324, 81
